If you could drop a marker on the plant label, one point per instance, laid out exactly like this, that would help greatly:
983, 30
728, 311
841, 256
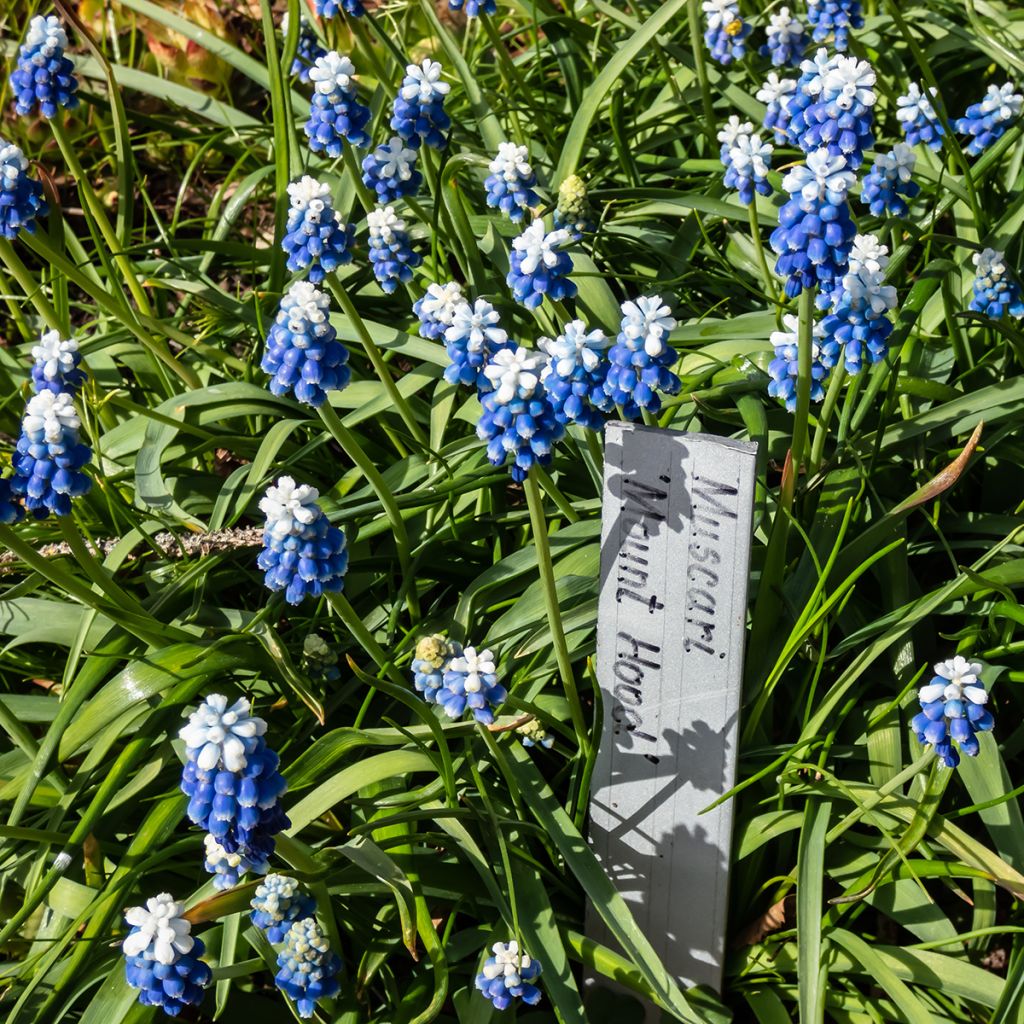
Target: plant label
675, 553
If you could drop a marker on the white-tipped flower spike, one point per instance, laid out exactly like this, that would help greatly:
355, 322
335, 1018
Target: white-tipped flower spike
786, 38
336, 116
315, 239
539, 267
436, 308
390, 170
419, 106
162, 933
731, 131
953, 710
55, 364
473, 336
867, 254
510, 183
917, 117
289, 507
995, 291
222, 735
575, 373
650, 319
509, 974
957, 680
470, 681
391, 252
784, 369
987, 121
44, 78
777, 94
889, 184
513, 374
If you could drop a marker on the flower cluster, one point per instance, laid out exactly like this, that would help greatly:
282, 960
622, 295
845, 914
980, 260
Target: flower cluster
953, 710
433, 653
834, 16
315, 238
302, 553
390, 170
987, 121
335, 114
785, 367
726, 31
889, 183
509, 974
44, 78
534, 734
309, 48
49, 459
162, 958
859, 322
747, 161
786, 39
419, 106
917, 118
56, 363
279, 902
303, 355
473, 337
575, 373
470, 681
641, 359
510, 183
474, 8
319, 661
777, 93
332, 8
518, 421
21, 197
391, 252
840, 114
572, 211
233, 785
815, 231
539, 266
307, 966
436, 309
995, 291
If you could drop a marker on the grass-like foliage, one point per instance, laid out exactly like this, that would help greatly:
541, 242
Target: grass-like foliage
869, 881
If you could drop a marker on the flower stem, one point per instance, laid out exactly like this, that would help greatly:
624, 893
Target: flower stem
770, 288
348, 157
33, 292
803, 386
547, 577
355, 625
835, 388
697, 43
373, 354
355, 452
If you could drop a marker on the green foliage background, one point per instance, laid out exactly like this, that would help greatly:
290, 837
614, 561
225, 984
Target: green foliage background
426, 840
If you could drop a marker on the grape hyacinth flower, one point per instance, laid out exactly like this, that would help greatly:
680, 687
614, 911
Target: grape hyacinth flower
315, 240
786, 39
436, 309
162, 958
987, 121
834, 16
279, 902
747, 162
303, 355
510, 183
302, 553
433, 655
419, 106
21, 197
726, 31
49, 458
534, 734
641, 359
917, 118
474, 8
391, 251
228, 868
234, 788
815, 231
889, 183
809, 87
336, 115
953, 710
539, 267
841, 115
777, 93
390, 170
572, 212
508, 974
332, 8
56, 363
784, 368
473, 338
307, 967
319, 661
995, 291
575, 373
44, 77
470, 681
518, 419
309, 48
859, 321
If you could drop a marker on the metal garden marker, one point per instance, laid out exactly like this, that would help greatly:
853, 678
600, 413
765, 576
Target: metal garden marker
675, 552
